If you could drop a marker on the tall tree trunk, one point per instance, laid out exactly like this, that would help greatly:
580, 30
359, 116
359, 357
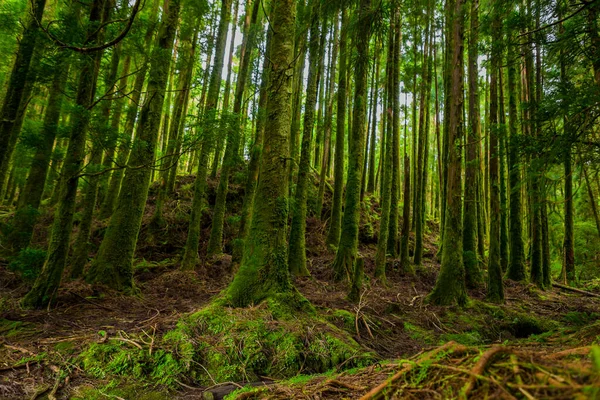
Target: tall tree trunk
190, 256
328, 119
169, 163
472, 269
14, 97
393, 244
516, 263
227, 92
233, 138
114, 185
80, 248
255, 153
113, 264
386, 192
346, 253
30, 198
333, 235
495, 289
297, 249
46, 285
422, 147
450, 285
371, 178
264, 271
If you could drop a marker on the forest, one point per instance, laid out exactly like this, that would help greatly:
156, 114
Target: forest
299, 199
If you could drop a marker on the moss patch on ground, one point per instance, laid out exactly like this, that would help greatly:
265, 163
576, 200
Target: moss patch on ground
219, 344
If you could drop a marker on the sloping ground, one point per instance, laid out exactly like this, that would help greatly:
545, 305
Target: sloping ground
47, 353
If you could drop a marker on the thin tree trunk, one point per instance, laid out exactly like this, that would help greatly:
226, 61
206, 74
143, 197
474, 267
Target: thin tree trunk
343, 265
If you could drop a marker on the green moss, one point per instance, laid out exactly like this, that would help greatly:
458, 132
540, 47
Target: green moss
472, 338
12, 329
420, 334
127, 391
343, 318
119, 358
219, 344
246, 343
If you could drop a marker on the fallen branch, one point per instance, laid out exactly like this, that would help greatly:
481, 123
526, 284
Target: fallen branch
579, 351
13, 367
480, 366
376, 391
575, 290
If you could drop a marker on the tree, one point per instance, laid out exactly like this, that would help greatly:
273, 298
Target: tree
450, 284
297, 251
333, 235
264, 271
495, 290
472, 269
190, 256
46, 284
13, 99
113, 266
343, 265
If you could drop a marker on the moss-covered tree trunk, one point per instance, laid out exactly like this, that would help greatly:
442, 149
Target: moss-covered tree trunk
335, 222
328, 124
48, 281
450, 285
14, 96
371, 183
264, 271
393, 243
113, 265
495, 290
422, 146
186, 56
473, 275
516, 262
386, 192
80, 248
232, 145
255, 156
502, 175
31, 196
111, 134
297, 251
190, 256
343, 265
114, 184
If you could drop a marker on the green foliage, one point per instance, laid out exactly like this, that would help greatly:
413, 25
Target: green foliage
420, 334
243, 344
219, 344
471, 338
580, 318
103, 360
28, 263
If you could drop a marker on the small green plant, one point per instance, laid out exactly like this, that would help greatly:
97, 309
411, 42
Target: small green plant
28, 263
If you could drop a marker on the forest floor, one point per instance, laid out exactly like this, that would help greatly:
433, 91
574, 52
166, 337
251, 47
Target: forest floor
539, 344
